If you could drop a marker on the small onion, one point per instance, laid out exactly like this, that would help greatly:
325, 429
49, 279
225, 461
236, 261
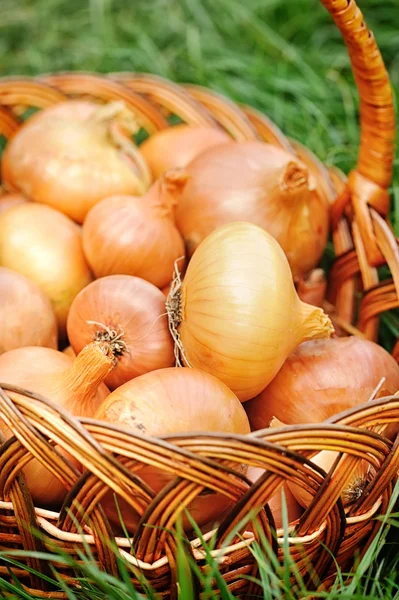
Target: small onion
177, 146
124, 235
171, 401
26, 315
70, 157
237, 315
75, 385
129, 313
261, 184
322, 378
45, 246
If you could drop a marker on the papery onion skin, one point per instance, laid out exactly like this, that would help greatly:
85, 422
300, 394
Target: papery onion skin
64, 157
261, 184
293, 508
10, 200
75, 385
239, 316
45, 246
169, 401
130, 305
26, 315
126, 235
177, 146
322, 378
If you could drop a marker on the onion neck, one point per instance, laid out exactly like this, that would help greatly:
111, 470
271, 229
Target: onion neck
164, 194
313, 323
295, 181
88, 371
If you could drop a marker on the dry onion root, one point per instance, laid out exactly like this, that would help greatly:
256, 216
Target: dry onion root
237, 315
83, 157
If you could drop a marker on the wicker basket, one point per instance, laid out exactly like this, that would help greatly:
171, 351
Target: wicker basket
113, 457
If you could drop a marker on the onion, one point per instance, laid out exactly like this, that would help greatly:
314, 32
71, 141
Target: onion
71, 156
69, 351
75, 385
26, 315
322, 378
237, 315
134, 236
259, 183
171, 401
294, 510
8, 201
177, 146
129, 313
45, 246
326, 459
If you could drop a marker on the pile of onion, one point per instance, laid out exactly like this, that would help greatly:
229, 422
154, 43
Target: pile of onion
73, 154
171, 401
75, 385
237, 315
129, 313
45, 246
134, 236
26, 314
322, 378
177, 146
261, 184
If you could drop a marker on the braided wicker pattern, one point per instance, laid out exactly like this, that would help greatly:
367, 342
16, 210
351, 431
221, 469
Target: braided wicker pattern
113, 457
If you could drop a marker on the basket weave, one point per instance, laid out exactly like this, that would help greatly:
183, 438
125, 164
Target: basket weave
113, 457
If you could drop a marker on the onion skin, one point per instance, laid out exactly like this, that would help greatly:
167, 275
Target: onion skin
239, 316
177, 146
69, 351
322, 378
261, 184
75, 165
127, 303
11, 200
75, 385
169, 401
45, 246
126, 235
294, 510
26, 315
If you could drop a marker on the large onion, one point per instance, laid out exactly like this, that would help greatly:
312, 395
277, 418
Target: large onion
26, 314
171, 401
70, 156
177, 146
129, 313
75, 385
134, 236
237, 315
45, 246
259, 183
322, 378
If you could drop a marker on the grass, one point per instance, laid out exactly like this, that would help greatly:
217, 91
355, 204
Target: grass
284, 57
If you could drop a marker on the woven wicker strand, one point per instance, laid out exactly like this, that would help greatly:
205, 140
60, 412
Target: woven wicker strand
114, 457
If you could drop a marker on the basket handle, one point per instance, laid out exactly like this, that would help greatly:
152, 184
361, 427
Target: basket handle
368, 183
